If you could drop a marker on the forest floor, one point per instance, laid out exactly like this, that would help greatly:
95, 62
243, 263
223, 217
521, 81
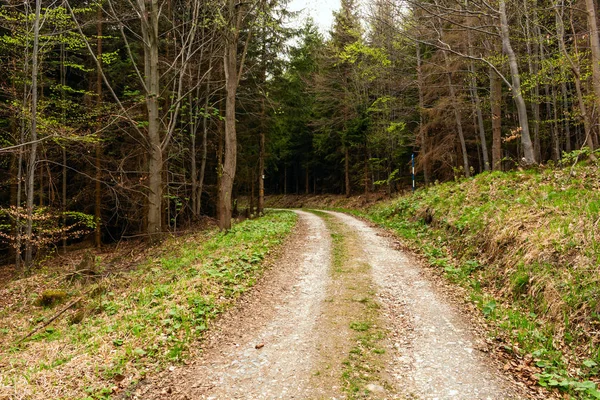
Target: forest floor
344, 313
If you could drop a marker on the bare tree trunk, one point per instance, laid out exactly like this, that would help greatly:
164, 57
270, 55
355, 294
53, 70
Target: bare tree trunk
261, 165
347, 170
19, 228
221, 135
566, 112
251, 205
587, 123
33, 151
203, 158
458, 118
496, 109
230, 160
63, 149
424, 158
97, 188
297, 170
152, 77
555, 131
306, 181
528, 153
477, 104
595, 47
366, 174
533, 65
193, 166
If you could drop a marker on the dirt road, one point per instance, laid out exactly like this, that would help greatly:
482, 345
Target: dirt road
341, 315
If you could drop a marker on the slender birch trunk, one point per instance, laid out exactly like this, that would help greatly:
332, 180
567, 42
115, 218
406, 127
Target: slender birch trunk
528, 153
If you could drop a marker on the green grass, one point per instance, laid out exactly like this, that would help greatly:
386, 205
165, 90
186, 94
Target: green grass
525, 244
363, 364
148, 317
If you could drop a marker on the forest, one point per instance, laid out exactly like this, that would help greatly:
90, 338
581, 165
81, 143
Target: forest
128, 119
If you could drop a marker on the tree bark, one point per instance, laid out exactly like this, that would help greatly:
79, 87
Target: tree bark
230, 159
33, 136
423, 150
496, 109
458, 118
261, 165
528, 153
204, 156
587, 123
595, 47
533, 65
306, 181
97, 188
566, 113
477, 104
152, 80
347, 170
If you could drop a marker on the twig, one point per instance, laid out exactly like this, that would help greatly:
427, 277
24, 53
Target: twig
48, 322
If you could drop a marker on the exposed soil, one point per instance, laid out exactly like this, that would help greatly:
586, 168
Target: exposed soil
289, 338
265, 348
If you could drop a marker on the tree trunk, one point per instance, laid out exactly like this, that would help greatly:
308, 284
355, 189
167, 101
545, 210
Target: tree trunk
230, 145
533, 65
33, 136
204, 144
306, 181
220, 145
566, 113
261, 166
528, 153
496, 109
458, 119
477, 103
347, 170
193, 166
595, 47
587, 123
366, 172
251, 205
97, 188
63, 203
152, 78
555, 131
423, 149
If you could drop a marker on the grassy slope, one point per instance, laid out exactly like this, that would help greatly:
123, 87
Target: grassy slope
526, 245
137, 321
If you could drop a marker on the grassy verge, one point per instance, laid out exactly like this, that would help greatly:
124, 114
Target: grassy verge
361, 370
525, 245
132, 323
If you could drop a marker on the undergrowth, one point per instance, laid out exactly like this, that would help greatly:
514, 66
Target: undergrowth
138, 321
525, 244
